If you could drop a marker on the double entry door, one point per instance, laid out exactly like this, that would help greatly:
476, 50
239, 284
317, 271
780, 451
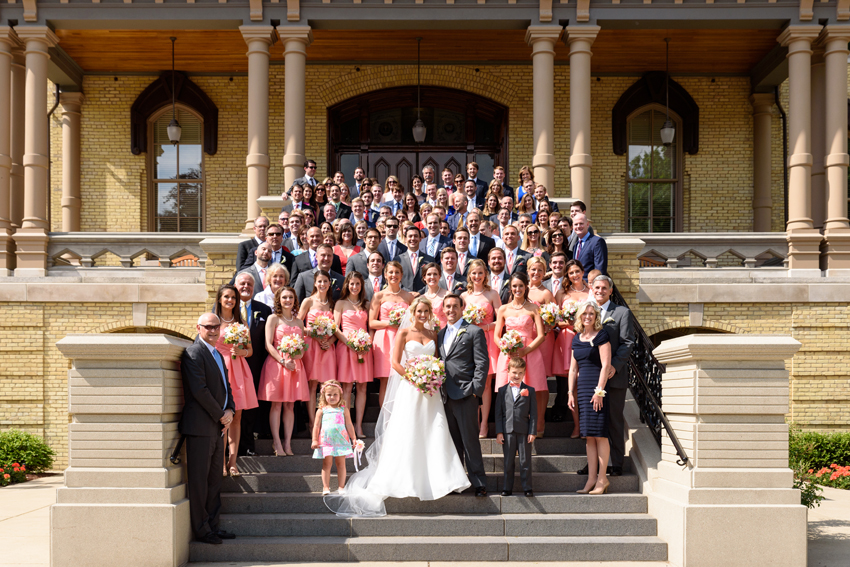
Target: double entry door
405, 164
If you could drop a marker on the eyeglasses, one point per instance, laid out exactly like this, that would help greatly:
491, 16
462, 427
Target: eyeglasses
274, 234
391, 225
311, 167
209, 327
533, 232
557, 235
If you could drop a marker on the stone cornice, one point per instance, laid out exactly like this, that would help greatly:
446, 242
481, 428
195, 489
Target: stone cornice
726, 347
38, 33
793, 33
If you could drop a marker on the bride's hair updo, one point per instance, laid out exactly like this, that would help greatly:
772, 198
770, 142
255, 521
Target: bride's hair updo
424, 301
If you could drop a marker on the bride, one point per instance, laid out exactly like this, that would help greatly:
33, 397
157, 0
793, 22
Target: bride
413, 453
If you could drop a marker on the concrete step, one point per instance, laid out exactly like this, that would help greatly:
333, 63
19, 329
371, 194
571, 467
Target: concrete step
467, 504
546, 446
419, 548
312, 482
517, 525
492, 463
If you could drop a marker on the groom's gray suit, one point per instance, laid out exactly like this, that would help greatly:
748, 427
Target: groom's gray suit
467, 364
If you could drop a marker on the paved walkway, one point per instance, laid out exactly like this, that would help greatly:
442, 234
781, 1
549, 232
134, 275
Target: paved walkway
25, 535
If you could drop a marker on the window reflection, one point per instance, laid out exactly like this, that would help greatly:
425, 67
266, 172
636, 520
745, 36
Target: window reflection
652, 175
179, 207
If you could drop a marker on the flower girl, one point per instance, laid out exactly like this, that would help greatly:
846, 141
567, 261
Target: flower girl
333, 434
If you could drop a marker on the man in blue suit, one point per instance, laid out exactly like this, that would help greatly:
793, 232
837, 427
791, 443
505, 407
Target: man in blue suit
588, 249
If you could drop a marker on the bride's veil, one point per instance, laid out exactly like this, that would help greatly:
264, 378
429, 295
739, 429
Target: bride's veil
358, 499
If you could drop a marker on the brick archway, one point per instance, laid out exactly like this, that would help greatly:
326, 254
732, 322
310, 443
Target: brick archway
712, 325
164, 326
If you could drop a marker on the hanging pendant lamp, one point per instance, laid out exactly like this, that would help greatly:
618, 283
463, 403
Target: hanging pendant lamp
419, 129
174, 129
668, 130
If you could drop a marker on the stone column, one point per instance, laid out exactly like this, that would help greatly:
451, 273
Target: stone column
295, 41
762, 123
542, 40
818, 138
31, 238
726, 397
803, 239
125, 401
17, 143
8, 40
71, 103
259, 39
836, 248
580, 38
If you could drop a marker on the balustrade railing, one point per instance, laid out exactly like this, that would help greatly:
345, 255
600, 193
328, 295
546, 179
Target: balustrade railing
645, 374
126, 249
712, 249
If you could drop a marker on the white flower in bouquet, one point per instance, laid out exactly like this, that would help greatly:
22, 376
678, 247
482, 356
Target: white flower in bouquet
360, 342
238, 335
510, 342
426, 373
292, 345
550, 314
474, 314
397, 314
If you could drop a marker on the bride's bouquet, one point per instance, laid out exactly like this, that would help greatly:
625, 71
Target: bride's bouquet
550, 314
360, 342
238, 335
474, 314
397, 314
322, 327
292, 345
426, 373
510, 342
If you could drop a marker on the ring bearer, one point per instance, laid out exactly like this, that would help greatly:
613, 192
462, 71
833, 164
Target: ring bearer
516, 425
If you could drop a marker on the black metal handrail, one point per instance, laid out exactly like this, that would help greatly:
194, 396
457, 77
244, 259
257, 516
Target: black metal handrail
645, 374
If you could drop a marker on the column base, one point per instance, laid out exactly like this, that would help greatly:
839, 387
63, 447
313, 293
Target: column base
31, 252
7, 253
835, 250
804, 249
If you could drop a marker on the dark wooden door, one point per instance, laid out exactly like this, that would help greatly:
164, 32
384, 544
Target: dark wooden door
406, 164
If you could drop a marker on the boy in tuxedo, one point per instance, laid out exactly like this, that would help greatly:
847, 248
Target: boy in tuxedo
516, 426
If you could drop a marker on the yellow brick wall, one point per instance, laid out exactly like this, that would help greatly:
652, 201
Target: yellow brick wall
717, 181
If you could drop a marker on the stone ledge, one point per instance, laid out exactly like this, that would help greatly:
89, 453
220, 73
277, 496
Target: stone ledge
727, 348
46, 291
743, 291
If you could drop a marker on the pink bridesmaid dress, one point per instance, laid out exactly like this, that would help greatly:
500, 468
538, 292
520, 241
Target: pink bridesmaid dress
547, 348
439, 313
319, 364
347, 366
563, 350
277, 384
535, 375
492, 347
239, 376
382, 342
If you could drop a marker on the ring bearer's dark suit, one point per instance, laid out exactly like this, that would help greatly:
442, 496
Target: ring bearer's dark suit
207, 396
516, 419
467, 364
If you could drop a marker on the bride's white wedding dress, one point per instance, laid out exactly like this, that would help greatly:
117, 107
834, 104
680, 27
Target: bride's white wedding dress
412, 455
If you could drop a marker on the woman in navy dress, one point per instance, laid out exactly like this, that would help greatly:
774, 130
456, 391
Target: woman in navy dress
590, 369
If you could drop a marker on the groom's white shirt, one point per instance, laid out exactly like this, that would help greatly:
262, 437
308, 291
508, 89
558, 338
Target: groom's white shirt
451, 333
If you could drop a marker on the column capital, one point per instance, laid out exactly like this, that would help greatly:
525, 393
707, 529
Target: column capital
549, 34
72, 101
796, 33
288, 34
255, 33
762, 102
41, 34
8, 39
581, 32
832, 33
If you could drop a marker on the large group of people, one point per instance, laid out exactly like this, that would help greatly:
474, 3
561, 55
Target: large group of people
355, 252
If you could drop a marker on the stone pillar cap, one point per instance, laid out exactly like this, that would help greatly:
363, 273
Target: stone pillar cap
726, 347
122, 346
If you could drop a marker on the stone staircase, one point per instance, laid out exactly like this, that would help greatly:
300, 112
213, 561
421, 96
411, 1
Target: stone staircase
276, 510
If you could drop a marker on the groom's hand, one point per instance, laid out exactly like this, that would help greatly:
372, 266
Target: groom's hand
500, 439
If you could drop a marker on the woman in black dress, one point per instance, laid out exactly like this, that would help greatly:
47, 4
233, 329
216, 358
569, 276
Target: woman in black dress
590, 369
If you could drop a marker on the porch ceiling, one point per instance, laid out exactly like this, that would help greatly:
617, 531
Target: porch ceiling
614, 51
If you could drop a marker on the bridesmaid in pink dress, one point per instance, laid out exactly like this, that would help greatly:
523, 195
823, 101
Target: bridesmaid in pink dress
320, 359
539, 295
283, 381
379, 321
238, 373
478, 292
575, 291
434, 292
523, 316
350, 314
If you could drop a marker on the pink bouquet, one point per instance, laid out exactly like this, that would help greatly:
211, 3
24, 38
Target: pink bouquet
360, 342
322, 327
426, 373
510, 342
237, 335
550, 314
397, 314
292, 345
568, 312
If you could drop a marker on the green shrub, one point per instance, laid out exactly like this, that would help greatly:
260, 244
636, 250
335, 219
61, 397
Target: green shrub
818, 449
27, 449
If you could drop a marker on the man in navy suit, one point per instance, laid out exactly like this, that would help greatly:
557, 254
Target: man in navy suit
461, 202
472, 173
588, 249
309, 175
324, 260
500, 176
261, 223
390, 247
479, 243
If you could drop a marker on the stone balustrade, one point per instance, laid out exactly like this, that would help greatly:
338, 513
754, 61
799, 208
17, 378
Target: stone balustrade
133, 249
711, 249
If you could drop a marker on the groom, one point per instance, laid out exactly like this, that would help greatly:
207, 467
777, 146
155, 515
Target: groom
463, 349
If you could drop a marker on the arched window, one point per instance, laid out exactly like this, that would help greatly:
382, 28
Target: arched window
653, 173
176, 173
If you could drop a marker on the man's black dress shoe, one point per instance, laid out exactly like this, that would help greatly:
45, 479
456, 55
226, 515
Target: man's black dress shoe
557, 418
481, 491
582, 471
211, 537
506, 493
529, 493
615, 471
225, 535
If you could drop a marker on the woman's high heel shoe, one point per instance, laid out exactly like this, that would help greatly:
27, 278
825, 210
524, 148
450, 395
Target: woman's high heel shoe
602, 490
234, 472
583, 491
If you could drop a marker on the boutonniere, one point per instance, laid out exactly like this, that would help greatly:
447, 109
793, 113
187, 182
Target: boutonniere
462, 331
333, 281
256, 315
524, 392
